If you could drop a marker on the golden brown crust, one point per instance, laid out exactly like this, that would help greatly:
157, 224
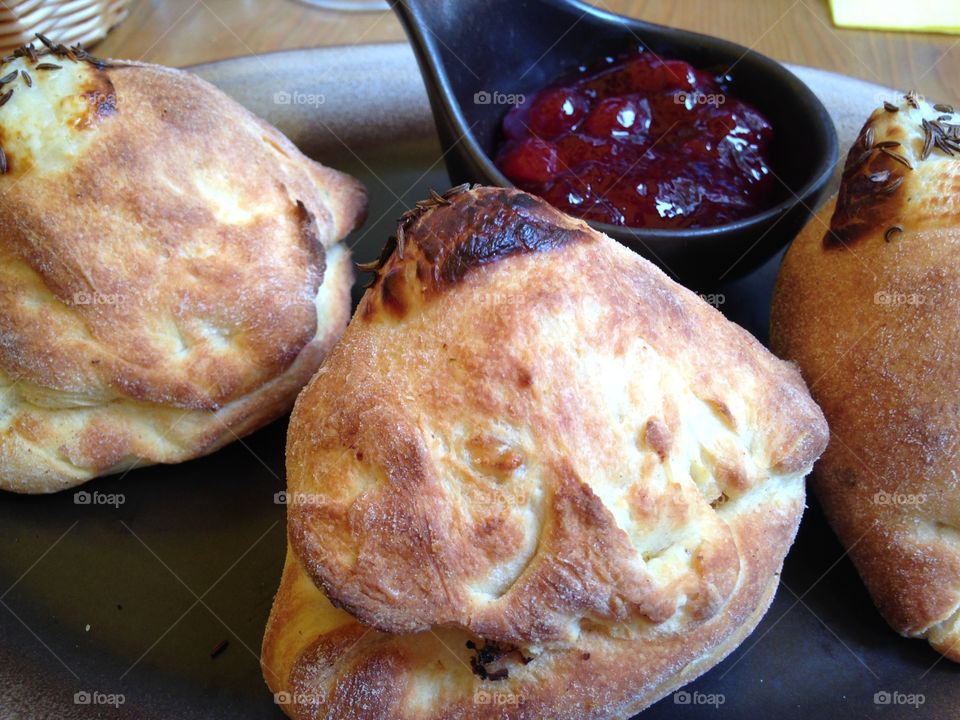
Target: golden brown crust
546, 444
870, 318
165, 257
321, 663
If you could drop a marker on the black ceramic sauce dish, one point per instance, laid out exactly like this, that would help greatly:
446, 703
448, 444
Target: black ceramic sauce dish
517, 47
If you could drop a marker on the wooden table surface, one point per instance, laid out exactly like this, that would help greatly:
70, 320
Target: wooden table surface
183, 32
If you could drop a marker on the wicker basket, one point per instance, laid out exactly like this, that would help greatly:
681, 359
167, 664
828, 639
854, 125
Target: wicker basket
63, 21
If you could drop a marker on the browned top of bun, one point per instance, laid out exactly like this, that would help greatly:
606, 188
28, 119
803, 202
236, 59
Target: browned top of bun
866, 303
158, 245
530, 435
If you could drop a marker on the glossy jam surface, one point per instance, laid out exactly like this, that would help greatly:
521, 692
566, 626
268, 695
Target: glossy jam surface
641, 141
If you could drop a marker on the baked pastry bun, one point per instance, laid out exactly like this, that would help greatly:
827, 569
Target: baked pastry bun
170, 273
868, 303
537, 478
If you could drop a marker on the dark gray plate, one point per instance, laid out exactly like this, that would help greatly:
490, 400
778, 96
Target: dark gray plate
132, 600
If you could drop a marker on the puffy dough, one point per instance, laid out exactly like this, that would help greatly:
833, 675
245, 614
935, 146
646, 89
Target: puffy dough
534, 472
170, 276
867, 303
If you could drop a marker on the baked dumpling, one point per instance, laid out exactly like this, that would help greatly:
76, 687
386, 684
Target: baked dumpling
867, 302
170, 273
537, 478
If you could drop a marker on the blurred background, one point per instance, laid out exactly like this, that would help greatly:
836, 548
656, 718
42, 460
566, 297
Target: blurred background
185, 32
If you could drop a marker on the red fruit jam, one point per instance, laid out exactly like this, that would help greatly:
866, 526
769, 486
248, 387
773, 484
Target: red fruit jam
642, 142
